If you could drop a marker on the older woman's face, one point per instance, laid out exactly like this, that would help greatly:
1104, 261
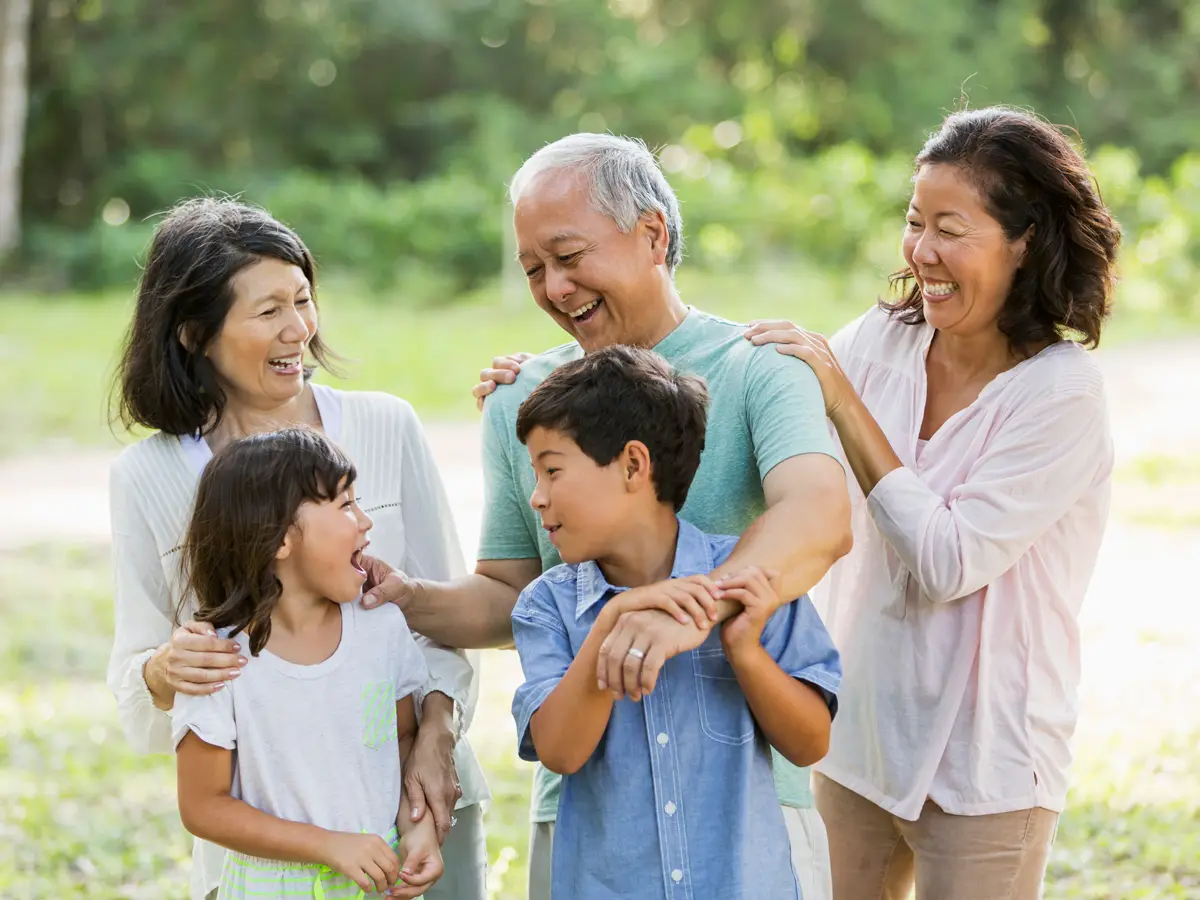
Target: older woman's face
259, 353
595, 281
959, 254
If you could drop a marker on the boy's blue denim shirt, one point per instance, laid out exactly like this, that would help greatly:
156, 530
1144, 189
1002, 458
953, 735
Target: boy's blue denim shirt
677, 801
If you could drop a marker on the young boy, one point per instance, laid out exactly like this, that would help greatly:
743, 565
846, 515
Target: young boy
668, 795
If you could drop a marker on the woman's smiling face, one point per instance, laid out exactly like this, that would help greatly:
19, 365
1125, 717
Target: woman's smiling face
963, 262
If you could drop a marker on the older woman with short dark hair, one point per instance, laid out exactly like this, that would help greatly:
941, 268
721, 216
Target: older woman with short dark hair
222, 345
975, 426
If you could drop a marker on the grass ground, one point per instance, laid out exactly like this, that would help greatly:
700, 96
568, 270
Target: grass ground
81, 814
57, 353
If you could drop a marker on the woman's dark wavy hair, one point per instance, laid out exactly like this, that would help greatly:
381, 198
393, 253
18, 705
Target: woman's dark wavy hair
247, 500
1030, 176
186, 288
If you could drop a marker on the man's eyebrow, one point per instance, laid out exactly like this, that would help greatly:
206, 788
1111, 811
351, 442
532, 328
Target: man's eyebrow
549, 453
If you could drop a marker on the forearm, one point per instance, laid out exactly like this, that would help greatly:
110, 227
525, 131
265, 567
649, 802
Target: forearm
866, 446
472, 612
798, 540
231, 823
437, 721
568, 726
792, 715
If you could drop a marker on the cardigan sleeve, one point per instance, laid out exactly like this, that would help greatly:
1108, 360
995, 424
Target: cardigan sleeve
144, 618
432, 551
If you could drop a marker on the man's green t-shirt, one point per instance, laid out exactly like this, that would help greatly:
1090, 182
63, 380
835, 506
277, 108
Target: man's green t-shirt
764, 407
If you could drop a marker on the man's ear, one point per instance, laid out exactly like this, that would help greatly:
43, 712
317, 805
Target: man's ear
653, 227
635, 466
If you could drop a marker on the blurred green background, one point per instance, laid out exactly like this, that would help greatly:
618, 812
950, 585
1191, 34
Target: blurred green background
384, 131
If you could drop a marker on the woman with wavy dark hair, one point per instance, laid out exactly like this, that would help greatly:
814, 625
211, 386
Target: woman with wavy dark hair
224, 340
975, 430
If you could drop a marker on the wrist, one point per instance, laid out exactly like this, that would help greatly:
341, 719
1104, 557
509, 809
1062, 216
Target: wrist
745, 653
155, 678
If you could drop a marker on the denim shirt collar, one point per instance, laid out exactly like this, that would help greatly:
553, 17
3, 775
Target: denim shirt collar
692, 554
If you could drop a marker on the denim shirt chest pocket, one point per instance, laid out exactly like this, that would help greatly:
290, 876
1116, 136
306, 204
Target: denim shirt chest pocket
725, 715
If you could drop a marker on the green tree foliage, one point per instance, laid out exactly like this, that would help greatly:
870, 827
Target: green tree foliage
385, 130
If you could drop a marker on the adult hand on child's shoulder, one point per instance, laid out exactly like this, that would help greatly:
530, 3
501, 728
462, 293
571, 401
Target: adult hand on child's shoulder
637, 648
755, 589
366, 859
385, 584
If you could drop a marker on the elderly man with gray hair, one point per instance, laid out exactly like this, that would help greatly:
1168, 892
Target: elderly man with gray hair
600, 236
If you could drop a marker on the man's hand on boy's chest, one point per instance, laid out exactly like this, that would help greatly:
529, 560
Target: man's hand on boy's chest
638, 647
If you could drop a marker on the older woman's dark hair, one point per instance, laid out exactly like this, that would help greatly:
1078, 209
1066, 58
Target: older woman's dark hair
246, 501
186, 291
1031, 177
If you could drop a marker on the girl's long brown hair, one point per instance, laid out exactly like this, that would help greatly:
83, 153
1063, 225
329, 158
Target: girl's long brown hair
247, 500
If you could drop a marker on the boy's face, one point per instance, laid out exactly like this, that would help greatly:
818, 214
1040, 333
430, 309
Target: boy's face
583, 506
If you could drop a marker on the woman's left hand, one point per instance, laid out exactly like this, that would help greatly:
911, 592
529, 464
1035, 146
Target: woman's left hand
810, 347
431, 779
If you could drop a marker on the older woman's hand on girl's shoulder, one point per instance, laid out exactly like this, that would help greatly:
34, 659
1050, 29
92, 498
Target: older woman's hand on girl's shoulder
504, 370
195, 661
792, 340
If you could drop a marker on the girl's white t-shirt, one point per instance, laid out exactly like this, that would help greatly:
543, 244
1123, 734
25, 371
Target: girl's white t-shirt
317, 744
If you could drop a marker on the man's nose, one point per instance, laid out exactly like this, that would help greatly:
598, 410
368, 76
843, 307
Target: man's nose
558, 286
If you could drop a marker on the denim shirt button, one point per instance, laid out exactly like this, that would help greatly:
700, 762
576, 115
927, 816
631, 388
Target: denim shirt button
670, 808
676, 876
663, 739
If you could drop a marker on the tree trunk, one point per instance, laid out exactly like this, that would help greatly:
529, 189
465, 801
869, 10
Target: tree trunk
14, 96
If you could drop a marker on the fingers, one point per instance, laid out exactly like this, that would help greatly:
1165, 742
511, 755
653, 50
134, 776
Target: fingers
612, 658
416, 797
391, 588
377, 879
197, 682
481, 391
759, 326
656, 657
389, 862
780, 336
631, 668
200, 637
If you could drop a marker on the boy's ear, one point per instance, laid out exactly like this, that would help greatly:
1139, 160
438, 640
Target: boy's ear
635, 466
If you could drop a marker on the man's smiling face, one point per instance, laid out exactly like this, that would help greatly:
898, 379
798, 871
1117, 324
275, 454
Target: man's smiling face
598, 283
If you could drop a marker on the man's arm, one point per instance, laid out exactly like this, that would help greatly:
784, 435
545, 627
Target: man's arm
804, 530
472, 612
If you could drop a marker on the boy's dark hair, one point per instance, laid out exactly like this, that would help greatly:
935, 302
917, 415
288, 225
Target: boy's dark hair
622, 394
247, 500
186, 289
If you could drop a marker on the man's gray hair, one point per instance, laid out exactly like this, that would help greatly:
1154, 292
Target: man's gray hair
624, 181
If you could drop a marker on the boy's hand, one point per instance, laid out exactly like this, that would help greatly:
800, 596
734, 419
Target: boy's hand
637, 648
754, 589
422, 859
692, 599
366, 859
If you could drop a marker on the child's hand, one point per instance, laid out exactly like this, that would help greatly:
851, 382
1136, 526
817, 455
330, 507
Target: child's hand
422, 859
635, 651
366, 859
754, 589
687, 600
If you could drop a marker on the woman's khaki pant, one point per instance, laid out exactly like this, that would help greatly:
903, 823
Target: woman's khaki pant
876, 856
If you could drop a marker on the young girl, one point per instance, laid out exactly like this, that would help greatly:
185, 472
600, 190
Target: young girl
295, 765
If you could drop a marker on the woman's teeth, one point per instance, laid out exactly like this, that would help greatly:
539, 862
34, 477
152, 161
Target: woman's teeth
940, 288
586, 308
284, 363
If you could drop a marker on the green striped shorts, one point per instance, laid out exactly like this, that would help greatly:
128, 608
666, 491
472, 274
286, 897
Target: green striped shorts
250, 878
